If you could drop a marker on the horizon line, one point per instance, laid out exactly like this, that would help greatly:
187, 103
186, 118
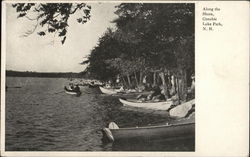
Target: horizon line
42, 72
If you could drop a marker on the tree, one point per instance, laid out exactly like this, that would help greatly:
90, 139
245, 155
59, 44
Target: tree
150, 38
107, 48
52, 17
165, 35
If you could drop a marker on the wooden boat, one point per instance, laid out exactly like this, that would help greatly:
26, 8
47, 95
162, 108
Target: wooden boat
162, 105
108, 91
118, 92
165, 132
182, 110
72, 92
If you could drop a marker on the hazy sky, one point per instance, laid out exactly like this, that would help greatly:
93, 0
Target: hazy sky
37, 53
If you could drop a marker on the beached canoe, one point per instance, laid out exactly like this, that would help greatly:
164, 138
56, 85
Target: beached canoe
164, 132
118, 92
108, 91
183, 109
162, 105
72, 92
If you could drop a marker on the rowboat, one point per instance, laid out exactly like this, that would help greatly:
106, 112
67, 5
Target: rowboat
162, 105
72, 92
165, 132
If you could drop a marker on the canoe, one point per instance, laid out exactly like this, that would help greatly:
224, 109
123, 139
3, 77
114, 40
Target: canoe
118, 92
162, 105
71, 92
164, 132
108, 91
182, 110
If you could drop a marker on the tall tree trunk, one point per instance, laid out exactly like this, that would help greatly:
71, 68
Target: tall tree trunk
183, 85
124, 82
169, 80
161, 74
137, 84
177, 89
172, 81
141, 78
154, 79
164, 84
129, 82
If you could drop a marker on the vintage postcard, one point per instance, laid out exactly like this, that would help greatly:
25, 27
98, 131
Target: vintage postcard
125, 78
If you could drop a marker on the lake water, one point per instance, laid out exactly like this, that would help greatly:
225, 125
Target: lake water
40, 116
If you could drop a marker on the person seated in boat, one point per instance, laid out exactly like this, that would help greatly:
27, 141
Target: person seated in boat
148, 87
71, 86
155, 91
77, 88
156, 94
162, 96
141, 97
121, 89
141, 88
108, 84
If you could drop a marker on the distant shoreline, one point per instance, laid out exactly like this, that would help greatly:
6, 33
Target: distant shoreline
44, 74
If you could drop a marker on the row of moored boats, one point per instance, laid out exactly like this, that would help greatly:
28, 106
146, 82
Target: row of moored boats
180, 129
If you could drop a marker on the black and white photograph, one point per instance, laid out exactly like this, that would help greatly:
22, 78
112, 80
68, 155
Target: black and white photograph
99, 76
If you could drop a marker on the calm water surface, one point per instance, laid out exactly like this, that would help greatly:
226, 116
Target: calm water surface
41, 116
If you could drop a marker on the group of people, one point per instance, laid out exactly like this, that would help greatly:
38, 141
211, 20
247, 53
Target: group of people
159, 93
163, 92
73, 87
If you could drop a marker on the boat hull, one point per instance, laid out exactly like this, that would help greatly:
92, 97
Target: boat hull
108, 91
165, 105
68, 91
114, 92
164, 132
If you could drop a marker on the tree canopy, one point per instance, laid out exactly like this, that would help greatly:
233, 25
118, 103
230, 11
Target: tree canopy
148, 36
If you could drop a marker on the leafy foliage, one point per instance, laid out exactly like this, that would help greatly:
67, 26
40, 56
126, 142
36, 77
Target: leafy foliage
53, 17
149, 37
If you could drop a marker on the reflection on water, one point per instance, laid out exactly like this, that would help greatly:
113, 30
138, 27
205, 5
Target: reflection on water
40, 116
